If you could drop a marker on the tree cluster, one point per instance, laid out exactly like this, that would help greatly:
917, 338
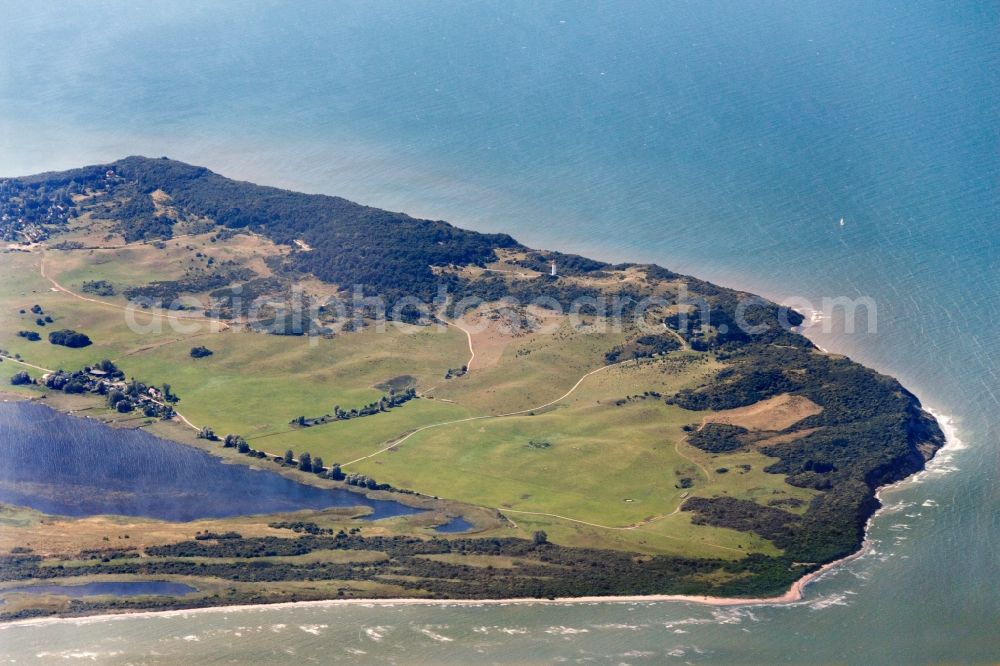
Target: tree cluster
200, 352
69, 338
21, 378
386, 253
384, 404
98, 288
718, 438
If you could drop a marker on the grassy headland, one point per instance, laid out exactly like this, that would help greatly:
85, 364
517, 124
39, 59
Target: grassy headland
700, 457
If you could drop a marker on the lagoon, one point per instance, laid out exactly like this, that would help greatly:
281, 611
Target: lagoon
71, 466
108, 588
456, 525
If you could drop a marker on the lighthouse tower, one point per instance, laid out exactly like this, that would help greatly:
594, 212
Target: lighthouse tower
553, 271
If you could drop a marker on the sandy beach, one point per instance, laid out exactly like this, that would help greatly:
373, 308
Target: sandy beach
793, 595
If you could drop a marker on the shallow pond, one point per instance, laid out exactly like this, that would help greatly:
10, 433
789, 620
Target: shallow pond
454, 526
118, 589
65, 465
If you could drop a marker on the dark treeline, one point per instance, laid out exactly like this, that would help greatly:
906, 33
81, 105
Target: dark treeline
718, 319
384, 404
301, 526
384, 253
566, 264
235, 300
167, 291
771, 523
718, 437
544, 569
871, 432
137, 215
645, 346
98, 287
350, 244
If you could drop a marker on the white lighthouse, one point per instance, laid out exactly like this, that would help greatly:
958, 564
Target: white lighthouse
553, 271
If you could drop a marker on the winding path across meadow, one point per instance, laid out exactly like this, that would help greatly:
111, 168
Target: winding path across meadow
152, 313
394, 444
397, 442
468, 335
568, 393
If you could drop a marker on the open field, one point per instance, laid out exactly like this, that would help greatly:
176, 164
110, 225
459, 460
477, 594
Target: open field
777, 413
570, 459
532, 369
171, 259
62, 537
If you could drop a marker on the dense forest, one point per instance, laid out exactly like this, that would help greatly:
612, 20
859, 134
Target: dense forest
387, 253
382, 253
871, 431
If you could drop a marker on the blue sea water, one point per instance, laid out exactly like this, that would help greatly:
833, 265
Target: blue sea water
725, 140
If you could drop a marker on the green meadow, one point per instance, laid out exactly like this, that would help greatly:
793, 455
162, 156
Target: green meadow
606, 460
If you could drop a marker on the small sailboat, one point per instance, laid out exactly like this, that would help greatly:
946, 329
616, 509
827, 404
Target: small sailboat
841, 221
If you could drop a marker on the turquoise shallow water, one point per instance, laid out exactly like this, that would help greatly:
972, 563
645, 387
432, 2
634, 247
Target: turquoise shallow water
723, 141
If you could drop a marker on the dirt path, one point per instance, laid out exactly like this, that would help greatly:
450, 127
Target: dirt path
468, 335
25, 363
398, 442
164, 343
678, 337
152, 313
181, 417
704, 470
567, 393
511, 272
405, 437
572, 520
643, 523
579, 382
410, 434
468, 364
59, 287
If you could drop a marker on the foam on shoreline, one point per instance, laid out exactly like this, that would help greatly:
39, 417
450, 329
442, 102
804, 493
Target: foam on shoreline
944, 458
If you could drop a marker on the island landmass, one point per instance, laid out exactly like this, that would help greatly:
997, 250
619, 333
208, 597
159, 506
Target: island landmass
601, 430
